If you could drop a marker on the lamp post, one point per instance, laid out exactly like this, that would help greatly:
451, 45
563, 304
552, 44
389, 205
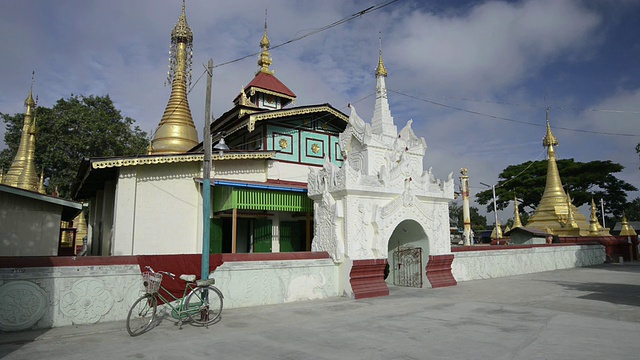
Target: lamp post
495, 210
206, 177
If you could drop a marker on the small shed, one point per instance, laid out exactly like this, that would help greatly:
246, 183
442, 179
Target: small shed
527, 236
30, 222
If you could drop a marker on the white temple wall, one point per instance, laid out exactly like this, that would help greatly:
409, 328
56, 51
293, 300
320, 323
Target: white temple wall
243, 170
251, 283
67, 295
288, 171
125, 200
158, 210
168, 213
487, 264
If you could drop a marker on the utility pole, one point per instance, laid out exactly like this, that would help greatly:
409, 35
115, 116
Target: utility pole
206, 176
602, 207
495, 210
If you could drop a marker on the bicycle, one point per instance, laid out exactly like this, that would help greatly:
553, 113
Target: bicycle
200, 304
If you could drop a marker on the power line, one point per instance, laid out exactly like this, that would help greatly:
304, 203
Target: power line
297, 38
541, 106
316, 31
508, 119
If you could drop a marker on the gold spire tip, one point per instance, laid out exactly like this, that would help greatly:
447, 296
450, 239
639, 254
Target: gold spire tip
380, 69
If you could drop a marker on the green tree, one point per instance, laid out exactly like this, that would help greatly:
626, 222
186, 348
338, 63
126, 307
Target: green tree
456, 215
584, 181
74, 128
633, 210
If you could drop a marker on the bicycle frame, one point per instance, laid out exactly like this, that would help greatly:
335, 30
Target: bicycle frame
178, 311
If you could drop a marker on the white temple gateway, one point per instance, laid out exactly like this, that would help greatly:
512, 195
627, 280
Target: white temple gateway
381, 204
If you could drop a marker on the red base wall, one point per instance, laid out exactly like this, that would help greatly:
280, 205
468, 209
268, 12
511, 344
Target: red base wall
367, 278
439, 271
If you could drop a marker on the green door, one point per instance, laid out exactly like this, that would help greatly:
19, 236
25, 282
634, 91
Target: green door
215, 236
291, 238
262, 235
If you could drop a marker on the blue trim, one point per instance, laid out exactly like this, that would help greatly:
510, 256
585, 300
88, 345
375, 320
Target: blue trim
253, 186
258, 186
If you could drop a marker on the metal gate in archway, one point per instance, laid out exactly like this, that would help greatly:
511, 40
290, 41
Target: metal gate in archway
408, 262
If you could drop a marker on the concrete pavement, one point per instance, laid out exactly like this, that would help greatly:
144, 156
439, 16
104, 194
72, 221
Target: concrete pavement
583, 313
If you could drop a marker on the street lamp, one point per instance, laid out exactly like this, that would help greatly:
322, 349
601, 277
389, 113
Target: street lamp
495, 211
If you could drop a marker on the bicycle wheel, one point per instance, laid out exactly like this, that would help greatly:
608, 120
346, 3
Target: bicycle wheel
204, 305
142, 314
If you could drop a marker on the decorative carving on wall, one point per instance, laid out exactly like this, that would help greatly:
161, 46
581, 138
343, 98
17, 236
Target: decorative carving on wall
87, 301
381, 183
22, 305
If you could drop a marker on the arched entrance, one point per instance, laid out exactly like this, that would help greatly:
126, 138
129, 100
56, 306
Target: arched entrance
408, 246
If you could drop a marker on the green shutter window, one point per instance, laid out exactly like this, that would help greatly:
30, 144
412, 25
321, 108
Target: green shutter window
227, 198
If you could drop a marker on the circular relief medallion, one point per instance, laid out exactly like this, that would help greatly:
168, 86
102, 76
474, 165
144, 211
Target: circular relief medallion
22, 305
315, 148
283, 143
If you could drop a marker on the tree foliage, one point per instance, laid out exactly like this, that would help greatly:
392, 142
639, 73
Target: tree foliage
584, 181
74, 128
633, 210
478, 222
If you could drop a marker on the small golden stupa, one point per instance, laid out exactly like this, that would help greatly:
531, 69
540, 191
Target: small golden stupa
626, 230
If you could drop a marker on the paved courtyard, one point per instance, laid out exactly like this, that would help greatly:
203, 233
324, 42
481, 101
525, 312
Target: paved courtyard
584, 313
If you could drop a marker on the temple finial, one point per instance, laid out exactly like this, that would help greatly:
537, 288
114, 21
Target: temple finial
264, 60
380, 69
549, 139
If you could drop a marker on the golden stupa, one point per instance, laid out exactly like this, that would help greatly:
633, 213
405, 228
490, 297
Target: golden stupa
176, 132
626, 230
516, 216
556, 214
22, 173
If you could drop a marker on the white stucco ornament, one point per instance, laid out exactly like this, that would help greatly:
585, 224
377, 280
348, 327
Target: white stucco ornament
380, 184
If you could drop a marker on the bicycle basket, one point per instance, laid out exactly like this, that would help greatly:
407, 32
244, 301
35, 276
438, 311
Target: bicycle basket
151, 282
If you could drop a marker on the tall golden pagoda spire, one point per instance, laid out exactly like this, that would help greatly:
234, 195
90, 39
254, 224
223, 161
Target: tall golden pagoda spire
264, 60
22, 173
176, 132
554, 211
516, 216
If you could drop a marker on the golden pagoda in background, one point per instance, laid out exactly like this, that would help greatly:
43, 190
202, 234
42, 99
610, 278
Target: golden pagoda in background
626, 230
556, 214
176, 132
22, 173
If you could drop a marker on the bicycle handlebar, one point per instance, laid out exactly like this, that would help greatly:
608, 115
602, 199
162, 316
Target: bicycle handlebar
171, 275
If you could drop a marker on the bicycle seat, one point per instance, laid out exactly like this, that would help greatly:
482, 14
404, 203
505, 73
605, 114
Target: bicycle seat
205, 282
188, 278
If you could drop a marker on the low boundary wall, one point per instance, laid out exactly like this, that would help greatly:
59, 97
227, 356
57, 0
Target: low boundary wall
485, 262
45, 292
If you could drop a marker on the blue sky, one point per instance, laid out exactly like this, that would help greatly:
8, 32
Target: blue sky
464, 64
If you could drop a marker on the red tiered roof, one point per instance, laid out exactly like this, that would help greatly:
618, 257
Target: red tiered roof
271, 83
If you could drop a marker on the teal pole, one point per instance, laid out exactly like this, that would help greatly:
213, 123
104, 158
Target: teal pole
206, 177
